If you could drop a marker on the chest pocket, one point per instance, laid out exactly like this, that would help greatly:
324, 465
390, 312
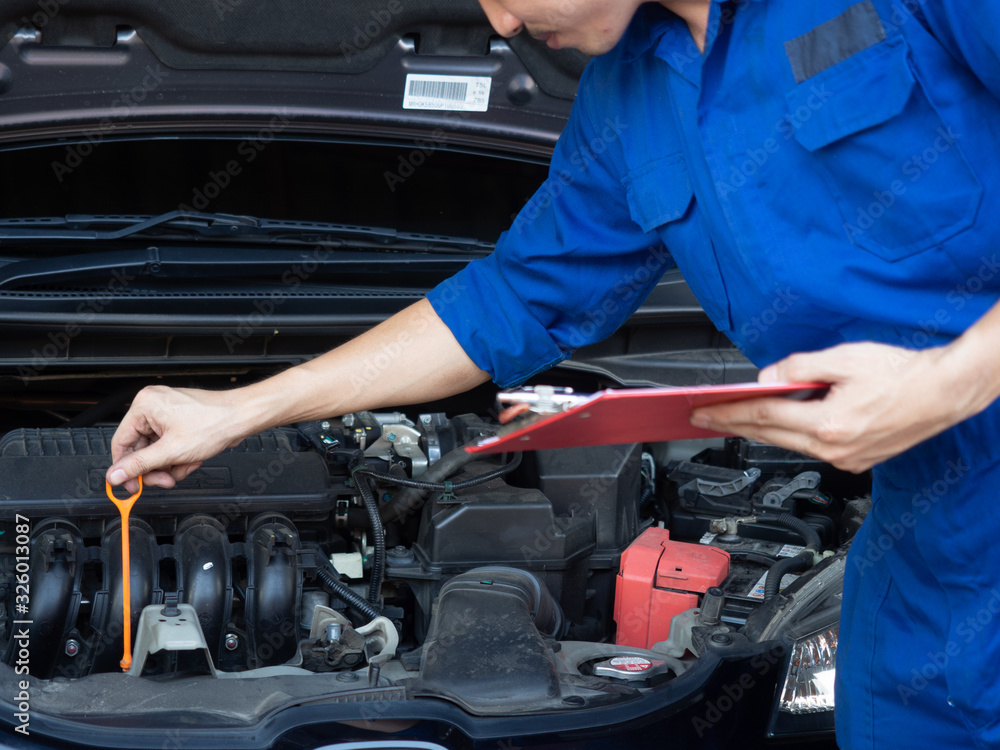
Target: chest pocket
895, 170
661, 199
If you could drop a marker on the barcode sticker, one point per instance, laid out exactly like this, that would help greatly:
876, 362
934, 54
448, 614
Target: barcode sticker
790, 550
458, 93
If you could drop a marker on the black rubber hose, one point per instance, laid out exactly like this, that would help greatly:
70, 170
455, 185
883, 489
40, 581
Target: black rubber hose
772, 584
378, 538
646, 496
802, 561
807, 532
332, 583
412, 498
421, 484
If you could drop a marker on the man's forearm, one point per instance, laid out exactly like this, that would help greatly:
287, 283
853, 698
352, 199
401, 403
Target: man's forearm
975, 359
411, 357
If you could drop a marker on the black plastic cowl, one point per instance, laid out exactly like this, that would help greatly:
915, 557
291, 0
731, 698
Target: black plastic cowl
486, 645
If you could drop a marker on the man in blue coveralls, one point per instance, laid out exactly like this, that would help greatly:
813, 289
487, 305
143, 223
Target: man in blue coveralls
842, 155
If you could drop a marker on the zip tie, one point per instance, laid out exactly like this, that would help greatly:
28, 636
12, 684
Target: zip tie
448, 493
124, 508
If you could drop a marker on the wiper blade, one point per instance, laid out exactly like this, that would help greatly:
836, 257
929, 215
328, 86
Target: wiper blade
196, 263
231, 226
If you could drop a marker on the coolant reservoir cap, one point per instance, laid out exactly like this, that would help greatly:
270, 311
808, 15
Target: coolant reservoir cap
630, 667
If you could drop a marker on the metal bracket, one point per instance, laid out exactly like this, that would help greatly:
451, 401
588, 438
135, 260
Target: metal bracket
161, 629
181, 631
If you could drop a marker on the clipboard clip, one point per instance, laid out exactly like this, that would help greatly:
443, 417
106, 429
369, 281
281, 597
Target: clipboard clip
539, 400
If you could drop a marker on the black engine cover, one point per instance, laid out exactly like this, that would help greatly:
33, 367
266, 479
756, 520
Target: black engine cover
60, 472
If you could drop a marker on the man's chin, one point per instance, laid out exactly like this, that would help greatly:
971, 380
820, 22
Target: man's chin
555, 40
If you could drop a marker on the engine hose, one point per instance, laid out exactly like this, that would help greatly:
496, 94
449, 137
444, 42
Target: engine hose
645, 497
378, 538
411, 499
332, 583
772, 584
807, 532
419, 484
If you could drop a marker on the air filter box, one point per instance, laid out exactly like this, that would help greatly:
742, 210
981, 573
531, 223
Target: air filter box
659, 578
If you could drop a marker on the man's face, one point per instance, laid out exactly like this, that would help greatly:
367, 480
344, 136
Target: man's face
591, 26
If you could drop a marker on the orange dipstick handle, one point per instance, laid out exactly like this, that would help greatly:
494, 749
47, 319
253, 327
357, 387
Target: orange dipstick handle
124, 507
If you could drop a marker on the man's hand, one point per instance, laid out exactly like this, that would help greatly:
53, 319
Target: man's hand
882, 400
168, 432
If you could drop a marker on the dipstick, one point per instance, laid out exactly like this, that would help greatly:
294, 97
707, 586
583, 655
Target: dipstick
124, 508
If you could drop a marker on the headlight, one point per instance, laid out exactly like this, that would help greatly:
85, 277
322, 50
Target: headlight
807, 616
808, 684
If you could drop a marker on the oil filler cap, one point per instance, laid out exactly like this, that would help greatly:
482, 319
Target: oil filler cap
631, 668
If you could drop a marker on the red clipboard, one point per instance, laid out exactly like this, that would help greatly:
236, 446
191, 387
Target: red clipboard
633, 415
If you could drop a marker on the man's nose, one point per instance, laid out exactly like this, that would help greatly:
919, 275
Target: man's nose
506, 24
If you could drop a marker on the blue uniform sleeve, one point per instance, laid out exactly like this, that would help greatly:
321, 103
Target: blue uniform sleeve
970, 31
572, 267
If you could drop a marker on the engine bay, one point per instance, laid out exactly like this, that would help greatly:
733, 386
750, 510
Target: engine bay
372, 555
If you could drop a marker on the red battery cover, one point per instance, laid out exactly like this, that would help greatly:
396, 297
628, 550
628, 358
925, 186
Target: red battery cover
659, 578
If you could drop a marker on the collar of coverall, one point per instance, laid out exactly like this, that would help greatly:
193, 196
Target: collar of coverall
649, 25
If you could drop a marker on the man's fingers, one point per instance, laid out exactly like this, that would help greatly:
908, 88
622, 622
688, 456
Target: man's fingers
183, 471
144, 461
756, 413
158, 478
832, 365
133, 434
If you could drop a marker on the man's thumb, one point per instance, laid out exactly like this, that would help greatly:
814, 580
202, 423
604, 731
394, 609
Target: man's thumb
139, 462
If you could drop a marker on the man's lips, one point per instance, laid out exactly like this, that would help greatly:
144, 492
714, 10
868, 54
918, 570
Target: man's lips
550, 39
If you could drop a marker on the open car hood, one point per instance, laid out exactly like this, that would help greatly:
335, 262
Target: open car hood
312, 35
308, 36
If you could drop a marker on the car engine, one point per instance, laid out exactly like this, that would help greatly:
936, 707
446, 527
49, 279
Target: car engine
374, 548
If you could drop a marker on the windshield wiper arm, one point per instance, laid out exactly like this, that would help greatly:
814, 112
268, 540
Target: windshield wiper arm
201, 263
232, 226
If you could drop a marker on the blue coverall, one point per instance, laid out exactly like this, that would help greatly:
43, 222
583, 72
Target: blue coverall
825, 172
